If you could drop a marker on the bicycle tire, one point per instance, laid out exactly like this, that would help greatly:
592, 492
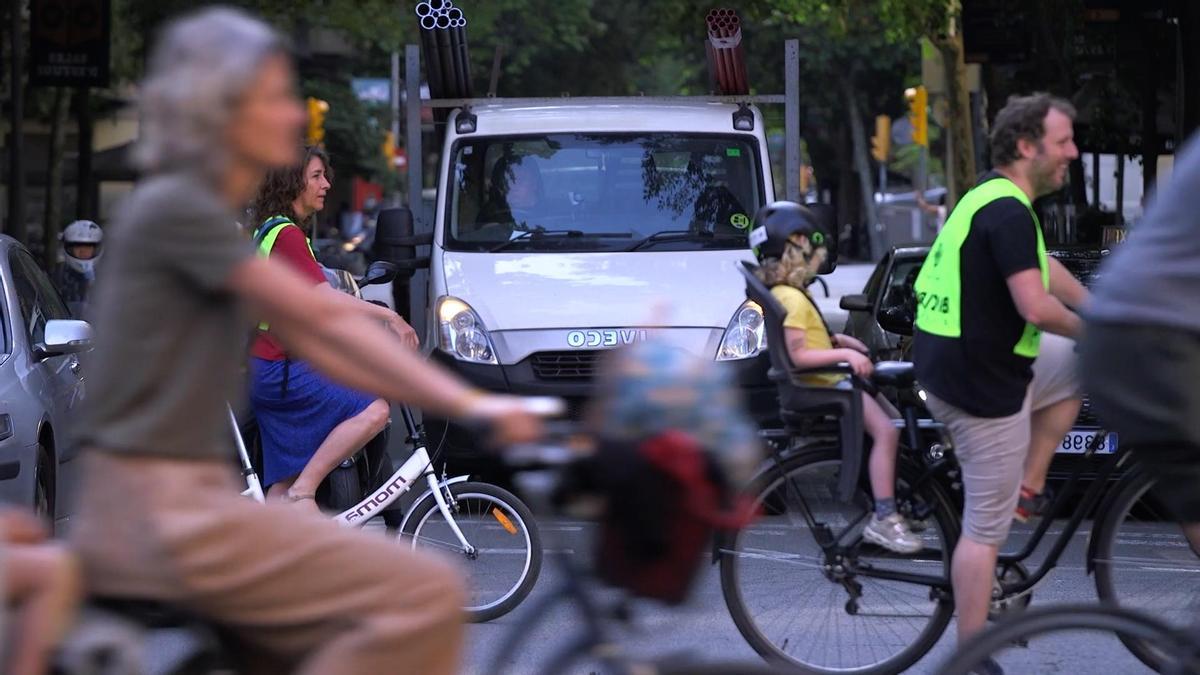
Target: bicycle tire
1115, 552
1035, 623
519, 518
944, 522
343, 488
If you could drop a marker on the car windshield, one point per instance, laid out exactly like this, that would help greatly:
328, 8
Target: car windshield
610, 191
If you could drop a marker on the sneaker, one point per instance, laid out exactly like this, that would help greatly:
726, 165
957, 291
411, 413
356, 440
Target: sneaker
1032, 504
988, 667
892, 533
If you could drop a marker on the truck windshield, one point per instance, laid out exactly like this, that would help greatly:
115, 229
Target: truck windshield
610, 190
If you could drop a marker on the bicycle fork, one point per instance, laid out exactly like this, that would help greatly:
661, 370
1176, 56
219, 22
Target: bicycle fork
447, 510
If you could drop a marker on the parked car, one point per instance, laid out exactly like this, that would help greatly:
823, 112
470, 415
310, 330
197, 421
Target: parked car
41, 384
882, 317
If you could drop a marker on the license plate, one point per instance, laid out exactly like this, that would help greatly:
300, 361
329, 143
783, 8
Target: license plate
1076, 443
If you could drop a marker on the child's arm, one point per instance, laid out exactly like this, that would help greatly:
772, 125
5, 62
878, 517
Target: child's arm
815, 358
843, 340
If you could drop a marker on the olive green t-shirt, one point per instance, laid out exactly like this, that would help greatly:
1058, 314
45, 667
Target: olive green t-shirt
170, 337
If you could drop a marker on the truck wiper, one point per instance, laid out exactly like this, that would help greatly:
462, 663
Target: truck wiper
540, 233
682, 235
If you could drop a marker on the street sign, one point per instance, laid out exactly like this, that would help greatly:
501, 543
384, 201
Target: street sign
372, 89
69, 43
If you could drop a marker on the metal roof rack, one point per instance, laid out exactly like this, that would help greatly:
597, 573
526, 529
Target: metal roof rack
596, 100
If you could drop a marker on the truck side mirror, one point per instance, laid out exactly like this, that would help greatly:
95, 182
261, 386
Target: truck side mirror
827, 220
396, 242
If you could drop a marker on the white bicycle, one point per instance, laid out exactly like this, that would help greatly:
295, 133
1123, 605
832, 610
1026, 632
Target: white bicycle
488, 528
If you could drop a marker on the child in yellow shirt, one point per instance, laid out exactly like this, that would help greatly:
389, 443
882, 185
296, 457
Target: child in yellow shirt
791, 248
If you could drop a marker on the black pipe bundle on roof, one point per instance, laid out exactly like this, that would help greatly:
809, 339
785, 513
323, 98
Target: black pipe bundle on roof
444, 45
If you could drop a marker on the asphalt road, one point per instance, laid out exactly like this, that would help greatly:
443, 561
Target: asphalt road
702, 628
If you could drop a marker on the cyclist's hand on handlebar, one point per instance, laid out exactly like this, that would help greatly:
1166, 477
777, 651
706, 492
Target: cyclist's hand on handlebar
861, 363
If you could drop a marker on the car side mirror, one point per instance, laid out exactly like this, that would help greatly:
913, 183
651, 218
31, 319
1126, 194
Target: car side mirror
397, 242
827, 221
855, 303
379, 272
896, 319
64, 336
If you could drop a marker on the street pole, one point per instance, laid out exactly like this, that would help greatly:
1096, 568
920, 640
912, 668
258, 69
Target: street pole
923, 181
15, 226
394, 189
791, 123
396, 95
83, 181
412, 143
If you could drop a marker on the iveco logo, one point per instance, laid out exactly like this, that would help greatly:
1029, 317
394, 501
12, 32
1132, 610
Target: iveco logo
579, 339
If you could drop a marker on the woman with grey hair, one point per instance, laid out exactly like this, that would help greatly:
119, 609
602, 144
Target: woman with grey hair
160, 514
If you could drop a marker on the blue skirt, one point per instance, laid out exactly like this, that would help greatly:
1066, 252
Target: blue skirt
294, 422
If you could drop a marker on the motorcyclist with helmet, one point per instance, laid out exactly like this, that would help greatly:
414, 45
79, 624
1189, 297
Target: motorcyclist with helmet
790, 247
82, 246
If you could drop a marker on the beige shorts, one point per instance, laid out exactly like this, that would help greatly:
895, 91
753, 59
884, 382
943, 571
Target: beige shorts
991, 450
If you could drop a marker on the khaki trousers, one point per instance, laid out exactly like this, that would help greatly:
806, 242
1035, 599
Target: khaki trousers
298, 592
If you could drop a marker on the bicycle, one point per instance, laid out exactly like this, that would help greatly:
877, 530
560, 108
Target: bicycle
594, 649
871, 611
486, 527
1179, 650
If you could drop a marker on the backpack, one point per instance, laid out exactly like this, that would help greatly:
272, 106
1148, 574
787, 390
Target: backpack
673, 447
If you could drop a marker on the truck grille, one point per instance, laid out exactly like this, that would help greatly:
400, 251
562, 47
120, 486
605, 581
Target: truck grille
580, 365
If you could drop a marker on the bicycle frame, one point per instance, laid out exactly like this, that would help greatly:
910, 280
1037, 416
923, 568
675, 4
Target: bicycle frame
833, 546
419, 464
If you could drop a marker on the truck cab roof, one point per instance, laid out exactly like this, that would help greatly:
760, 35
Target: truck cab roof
624, 115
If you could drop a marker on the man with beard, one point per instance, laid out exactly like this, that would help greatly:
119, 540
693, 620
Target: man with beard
986, 293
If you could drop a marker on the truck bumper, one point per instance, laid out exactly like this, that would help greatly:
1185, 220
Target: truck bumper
463, 450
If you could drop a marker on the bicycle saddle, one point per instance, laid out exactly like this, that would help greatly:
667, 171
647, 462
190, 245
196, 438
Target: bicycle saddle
894, 373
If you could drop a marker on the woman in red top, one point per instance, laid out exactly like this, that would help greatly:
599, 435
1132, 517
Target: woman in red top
308, 423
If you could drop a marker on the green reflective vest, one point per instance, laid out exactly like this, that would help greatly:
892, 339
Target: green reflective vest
939, 285
265, 237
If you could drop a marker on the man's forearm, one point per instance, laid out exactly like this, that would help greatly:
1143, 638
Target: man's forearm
1057, 318
1065, 287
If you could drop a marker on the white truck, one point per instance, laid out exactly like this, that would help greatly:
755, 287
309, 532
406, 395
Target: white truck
566, 227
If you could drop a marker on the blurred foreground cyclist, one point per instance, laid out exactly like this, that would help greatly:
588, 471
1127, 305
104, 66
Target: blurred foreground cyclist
161, 517
1141, 350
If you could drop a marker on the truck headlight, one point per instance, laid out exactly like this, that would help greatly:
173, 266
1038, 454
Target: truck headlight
6, 426
745, 337
462, 334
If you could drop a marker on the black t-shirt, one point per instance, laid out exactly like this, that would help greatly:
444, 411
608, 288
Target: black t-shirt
978, 372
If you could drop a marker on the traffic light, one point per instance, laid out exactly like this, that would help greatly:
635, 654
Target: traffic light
389, 150
316, 121
881, 142
918, 114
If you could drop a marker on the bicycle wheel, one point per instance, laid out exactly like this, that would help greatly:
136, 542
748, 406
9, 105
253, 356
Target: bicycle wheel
507, 556
1143, 562
794, 607
1039, 640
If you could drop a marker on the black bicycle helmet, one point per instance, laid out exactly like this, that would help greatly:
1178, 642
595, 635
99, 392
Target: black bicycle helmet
776, 222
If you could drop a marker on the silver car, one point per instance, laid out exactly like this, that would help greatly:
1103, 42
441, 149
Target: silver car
41, 385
